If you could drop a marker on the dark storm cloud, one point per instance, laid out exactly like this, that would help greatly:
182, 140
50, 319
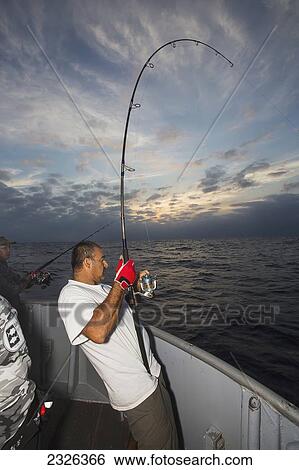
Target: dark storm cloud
55, 175
129, 196
214, 176
214, 173
35, 216
233, 154
195, 206
148, 213
210, 189
53, 181
240, 152
8, 196
88, 189
276, 174
5, 175
40, 212
277, 215
102, 185
243, 181
153, 197
197, 163
256, 166
78, 187
56, 199
31, 190
240, 204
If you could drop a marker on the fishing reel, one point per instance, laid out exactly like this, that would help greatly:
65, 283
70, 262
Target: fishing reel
148, 284
40, 278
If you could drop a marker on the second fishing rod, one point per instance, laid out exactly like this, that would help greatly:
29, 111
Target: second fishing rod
43, 278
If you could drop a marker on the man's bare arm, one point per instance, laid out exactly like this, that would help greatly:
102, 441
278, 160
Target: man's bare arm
105, 316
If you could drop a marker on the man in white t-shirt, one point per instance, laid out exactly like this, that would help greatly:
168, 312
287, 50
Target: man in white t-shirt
98, 319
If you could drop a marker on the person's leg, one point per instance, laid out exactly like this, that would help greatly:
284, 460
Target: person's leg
152, 424
26, 436
169, 407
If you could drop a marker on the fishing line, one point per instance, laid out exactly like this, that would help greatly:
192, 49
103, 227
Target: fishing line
72, 99
146, 228
228, 100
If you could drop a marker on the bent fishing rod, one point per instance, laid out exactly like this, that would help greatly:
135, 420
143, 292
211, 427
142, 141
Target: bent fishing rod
124, 168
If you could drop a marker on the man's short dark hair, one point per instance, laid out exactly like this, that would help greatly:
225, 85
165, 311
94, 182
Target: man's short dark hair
82, 251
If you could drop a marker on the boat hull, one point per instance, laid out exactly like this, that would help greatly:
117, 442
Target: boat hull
217, 406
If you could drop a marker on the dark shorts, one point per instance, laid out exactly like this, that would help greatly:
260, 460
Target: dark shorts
152, 422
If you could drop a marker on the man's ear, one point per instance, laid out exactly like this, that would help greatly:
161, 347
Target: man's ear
87, 263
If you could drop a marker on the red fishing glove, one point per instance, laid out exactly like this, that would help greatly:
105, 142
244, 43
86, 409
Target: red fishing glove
125, 273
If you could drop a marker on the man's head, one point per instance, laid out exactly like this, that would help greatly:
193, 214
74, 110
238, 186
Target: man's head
88, 263
4, 249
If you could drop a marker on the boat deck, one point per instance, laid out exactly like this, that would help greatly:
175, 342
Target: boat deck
84, 425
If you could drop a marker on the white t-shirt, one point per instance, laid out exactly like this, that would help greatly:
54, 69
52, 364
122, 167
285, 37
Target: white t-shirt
118, 361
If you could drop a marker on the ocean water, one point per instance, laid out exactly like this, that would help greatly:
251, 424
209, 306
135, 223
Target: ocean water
238, 299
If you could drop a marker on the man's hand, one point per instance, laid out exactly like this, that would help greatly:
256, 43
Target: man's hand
125, 273
27, 281
40, 278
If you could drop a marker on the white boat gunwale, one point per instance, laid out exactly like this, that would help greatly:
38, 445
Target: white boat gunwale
280, 404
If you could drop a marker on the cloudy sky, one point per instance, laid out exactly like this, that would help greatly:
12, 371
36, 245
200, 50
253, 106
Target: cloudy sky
214, 148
